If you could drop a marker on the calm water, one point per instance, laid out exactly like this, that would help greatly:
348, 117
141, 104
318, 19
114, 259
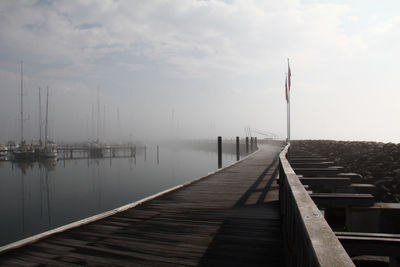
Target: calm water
40, 196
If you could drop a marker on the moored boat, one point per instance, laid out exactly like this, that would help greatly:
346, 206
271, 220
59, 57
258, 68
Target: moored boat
49, 150
3, 152
23, 152
95, 150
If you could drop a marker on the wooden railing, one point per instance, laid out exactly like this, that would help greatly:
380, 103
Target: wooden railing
308, 239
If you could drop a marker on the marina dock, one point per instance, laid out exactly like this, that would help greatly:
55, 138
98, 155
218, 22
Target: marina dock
272, 208
230, 218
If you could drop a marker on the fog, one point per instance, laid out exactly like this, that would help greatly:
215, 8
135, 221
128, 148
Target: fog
131, 115
199, 69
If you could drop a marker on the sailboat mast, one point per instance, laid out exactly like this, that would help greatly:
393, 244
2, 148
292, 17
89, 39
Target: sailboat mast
104, 124
98, 116
47, 118
40, 118
22, 106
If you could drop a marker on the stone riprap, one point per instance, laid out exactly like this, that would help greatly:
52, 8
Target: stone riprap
378, 163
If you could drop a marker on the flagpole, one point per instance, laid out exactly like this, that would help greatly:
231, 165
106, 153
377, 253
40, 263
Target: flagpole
289, 116
287, 122
288, 99
287, 108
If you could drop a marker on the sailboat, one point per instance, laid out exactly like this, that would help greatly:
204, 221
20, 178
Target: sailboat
50, 147
3, 151
38, 146
95, 149
23, 151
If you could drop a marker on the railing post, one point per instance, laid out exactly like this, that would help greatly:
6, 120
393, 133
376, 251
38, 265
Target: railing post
219, 152
237, 148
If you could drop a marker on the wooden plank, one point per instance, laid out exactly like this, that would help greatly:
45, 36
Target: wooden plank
370, 244
307, 159
355, 177
325, 181
118, 251
342, 199
30, 257
362, 234
313, 172
363, 188
306, 164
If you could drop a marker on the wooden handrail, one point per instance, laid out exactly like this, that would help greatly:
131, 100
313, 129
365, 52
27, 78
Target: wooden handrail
308, 239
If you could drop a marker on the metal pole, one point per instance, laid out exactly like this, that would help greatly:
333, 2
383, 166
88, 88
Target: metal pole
289, 117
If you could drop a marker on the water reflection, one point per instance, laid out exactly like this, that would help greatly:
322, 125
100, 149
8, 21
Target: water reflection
38, 196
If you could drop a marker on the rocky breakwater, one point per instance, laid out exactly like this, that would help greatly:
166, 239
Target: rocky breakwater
378, 163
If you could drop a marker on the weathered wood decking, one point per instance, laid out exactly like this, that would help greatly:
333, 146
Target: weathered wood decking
230, 218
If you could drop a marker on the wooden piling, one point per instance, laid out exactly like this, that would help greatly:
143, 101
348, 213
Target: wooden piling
247, 145
158, 155
219, 152
251, 144
237, 148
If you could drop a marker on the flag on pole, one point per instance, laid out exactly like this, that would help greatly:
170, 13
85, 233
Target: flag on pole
286, 88
289, 75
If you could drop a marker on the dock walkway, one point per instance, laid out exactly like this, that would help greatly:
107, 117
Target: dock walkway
230, 218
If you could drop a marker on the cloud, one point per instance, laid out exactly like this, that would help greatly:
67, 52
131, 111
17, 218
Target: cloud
216, 54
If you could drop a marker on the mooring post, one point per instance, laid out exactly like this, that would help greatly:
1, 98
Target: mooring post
158, 159
219, 152
237, 148
247, 145
251, 144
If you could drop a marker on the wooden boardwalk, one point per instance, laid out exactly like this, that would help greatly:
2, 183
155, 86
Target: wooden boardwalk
230, 218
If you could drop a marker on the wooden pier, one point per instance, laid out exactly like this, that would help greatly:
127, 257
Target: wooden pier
229, 218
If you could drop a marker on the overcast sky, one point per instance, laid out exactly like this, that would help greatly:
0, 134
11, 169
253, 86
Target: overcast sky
202, 68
